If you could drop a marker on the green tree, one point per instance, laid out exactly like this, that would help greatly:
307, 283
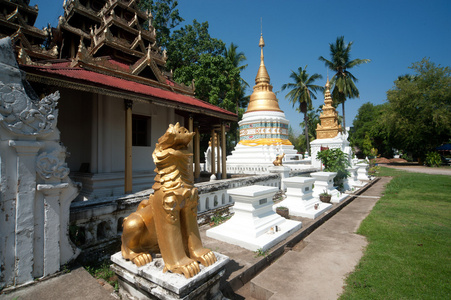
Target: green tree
213, 76
370, 130
343, 81
195, 55
301, 93
298, 141
419, 109
237, 59
312, 122
165, 18
241, 102
189, 43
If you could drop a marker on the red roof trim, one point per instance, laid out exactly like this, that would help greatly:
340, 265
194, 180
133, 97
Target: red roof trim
63, 69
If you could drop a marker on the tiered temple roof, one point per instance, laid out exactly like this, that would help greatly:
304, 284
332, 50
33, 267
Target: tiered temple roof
17, 20
114, 35
328, 127
113, 38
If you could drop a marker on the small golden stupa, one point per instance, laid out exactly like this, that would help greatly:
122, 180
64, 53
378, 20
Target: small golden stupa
328, 127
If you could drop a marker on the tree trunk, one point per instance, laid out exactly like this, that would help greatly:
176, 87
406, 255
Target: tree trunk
344, 119
306, 132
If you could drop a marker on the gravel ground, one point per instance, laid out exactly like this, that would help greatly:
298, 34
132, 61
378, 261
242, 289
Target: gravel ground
420, 169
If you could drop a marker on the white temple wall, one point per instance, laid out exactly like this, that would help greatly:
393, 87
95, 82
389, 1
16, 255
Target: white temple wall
114, 135
35, 190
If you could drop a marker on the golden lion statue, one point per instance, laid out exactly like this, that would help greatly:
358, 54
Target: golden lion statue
278, 161
167, 221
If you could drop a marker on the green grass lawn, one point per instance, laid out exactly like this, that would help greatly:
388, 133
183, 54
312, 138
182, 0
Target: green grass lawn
409, 235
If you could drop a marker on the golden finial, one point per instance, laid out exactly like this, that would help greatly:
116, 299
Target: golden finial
261, 43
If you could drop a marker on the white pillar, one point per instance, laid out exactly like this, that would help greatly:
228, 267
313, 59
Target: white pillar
25, 215
52, 225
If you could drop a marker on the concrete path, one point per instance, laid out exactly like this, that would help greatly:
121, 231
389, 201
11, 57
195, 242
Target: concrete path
316, 267
76, 285
420, 169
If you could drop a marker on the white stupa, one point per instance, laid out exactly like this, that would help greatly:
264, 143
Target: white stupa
263, 130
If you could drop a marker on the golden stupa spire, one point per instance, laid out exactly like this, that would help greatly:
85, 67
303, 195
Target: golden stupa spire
263, 98
328, 126
327, 97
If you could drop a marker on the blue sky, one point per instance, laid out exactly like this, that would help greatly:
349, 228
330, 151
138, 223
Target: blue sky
393, 34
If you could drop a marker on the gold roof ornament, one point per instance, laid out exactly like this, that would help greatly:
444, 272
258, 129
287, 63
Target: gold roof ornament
328, 127
263, 98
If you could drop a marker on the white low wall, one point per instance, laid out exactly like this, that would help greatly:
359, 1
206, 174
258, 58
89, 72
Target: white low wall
99, 221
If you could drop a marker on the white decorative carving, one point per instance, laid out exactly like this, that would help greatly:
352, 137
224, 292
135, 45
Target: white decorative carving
52, 165
22, 115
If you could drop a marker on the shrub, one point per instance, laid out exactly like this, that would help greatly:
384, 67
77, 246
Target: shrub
433, 159
335, 160
373, 169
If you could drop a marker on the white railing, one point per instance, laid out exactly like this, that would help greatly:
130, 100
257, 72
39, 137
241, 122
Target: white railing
213, 195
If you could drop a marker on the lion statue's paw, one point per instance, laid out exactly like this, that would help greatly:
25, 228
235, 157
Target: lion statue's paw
142, 259
205, 256
187, 267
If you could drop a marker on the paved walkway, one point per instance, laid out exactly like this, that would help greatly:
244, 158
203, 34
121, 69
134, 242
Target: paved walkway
316, 267
419, 169
76, 285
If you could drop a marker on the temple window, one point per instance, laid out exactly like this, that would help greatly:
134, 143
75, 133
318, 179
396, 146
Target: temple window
140, 130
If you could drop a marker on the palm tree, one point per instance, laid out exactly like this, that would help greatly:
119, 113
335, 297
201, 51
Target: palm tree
301, 92
237, 58
343, 81
313, 121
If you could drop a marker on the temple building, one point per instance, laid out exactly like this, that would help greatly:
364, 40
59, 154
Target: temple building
263, 129
117, 97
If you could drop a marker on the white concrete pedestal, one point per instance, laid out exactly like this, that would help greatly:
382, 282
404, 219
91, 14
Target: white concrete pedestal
324, 182
300, 200
362, 171
254, 225
284, 173
149, 281
352, 183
